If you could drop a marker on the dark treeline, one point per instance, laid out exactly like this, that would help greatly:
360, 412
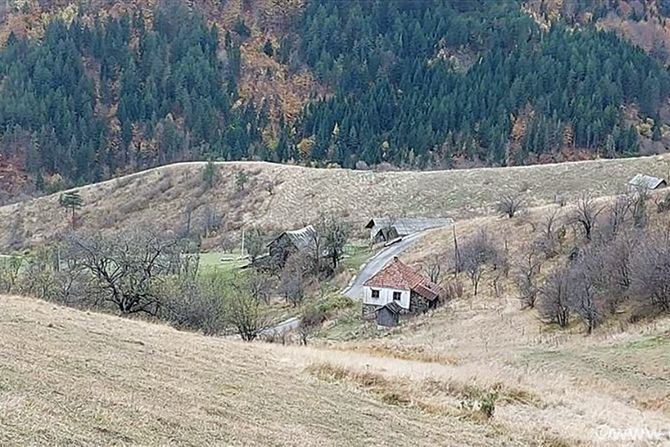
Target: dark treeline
402, 99
86, 101
418, 84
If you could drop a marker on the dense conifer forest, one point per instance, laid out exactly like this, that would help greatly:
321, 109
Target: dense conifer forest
415, 84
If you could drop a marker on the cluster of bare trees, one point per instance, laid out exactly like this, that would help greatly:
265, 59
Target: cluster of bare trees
141, 272
619, 261
587, 261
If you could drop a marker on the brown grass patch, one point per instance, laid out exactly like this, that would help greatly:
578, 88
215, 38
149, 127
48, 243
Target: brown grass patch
432, 396
418, 353
72, 378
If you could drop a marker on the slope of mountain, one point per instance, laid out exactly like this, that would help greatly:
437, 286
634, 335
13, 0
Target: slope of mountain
69, 377
276, 197
78, 378
92, 90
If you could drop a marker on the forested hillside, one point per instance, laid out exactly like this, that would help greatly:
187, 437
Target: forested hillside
413, 83
404, 96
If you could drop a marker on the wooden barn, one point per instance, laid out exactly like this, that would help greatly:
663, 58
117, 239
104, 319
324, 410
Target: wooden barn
388, 315
290, 242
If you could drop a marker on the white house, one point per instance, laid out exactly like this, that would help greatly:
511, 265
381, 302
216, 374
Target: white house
400, 284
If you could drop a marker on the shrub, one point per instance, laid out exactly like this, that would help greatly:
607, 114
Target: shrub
480, 402
509, 205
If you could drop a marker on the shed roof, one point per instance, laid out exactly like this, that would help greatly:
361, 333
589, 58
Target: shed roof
398, 275
301, 238
409, 225
393, 307
646, 181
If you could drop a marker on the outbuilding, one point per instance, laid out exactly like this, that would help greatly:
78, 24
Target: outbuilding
384, 229
388, 315
302, 240
642, 181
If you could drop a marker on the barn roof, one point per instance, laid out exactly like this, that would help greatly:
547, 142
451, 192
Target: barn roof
409, 225
301, 238
646, 181
398, 275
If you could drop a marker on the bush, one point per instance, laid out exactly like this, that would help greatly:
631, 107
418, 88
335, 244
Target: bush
192, 304
9, 272
334, 302
663, 204
480, 402
509, 205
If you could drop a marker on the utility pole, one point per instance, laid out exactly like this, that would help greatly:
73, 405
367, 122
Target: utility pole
242, 242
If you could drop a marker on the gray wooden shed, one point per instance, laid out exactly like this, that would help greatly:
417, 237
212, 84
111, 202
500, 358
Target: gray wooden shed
388, 315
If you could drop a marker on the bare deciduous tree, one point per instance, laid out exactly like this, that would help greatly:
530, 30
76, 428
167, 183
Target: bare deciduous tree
553, 303
433, 269
212, 221
292, 279
585, 216
619, 211
125, 265
260, 286
310, 321
639, 200
650, 271
583, 297
510, 205
526, 271
551, 236
334, 234
475, 254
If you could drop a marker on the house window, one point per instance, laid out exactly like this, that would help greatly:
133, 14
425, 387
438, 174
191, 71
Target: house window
375, 294
396, 296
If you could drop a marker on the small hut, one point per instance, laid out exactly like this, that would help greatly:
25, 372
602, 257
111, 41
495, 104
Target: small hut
388, 315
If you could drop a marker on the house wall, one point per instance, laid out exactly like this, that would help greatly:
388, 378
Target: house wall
386, 296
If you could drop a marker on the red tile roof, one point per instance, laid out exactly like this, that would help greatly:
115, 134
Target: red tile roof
398, 275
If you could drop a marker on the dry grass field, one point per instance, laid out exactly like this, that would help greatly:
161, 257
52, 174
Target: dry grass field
74, 378
279, 196
69, 377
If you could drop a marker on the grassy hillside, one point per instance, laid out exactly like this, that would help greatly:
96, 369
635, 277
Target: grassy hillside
75, 378
278, 196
